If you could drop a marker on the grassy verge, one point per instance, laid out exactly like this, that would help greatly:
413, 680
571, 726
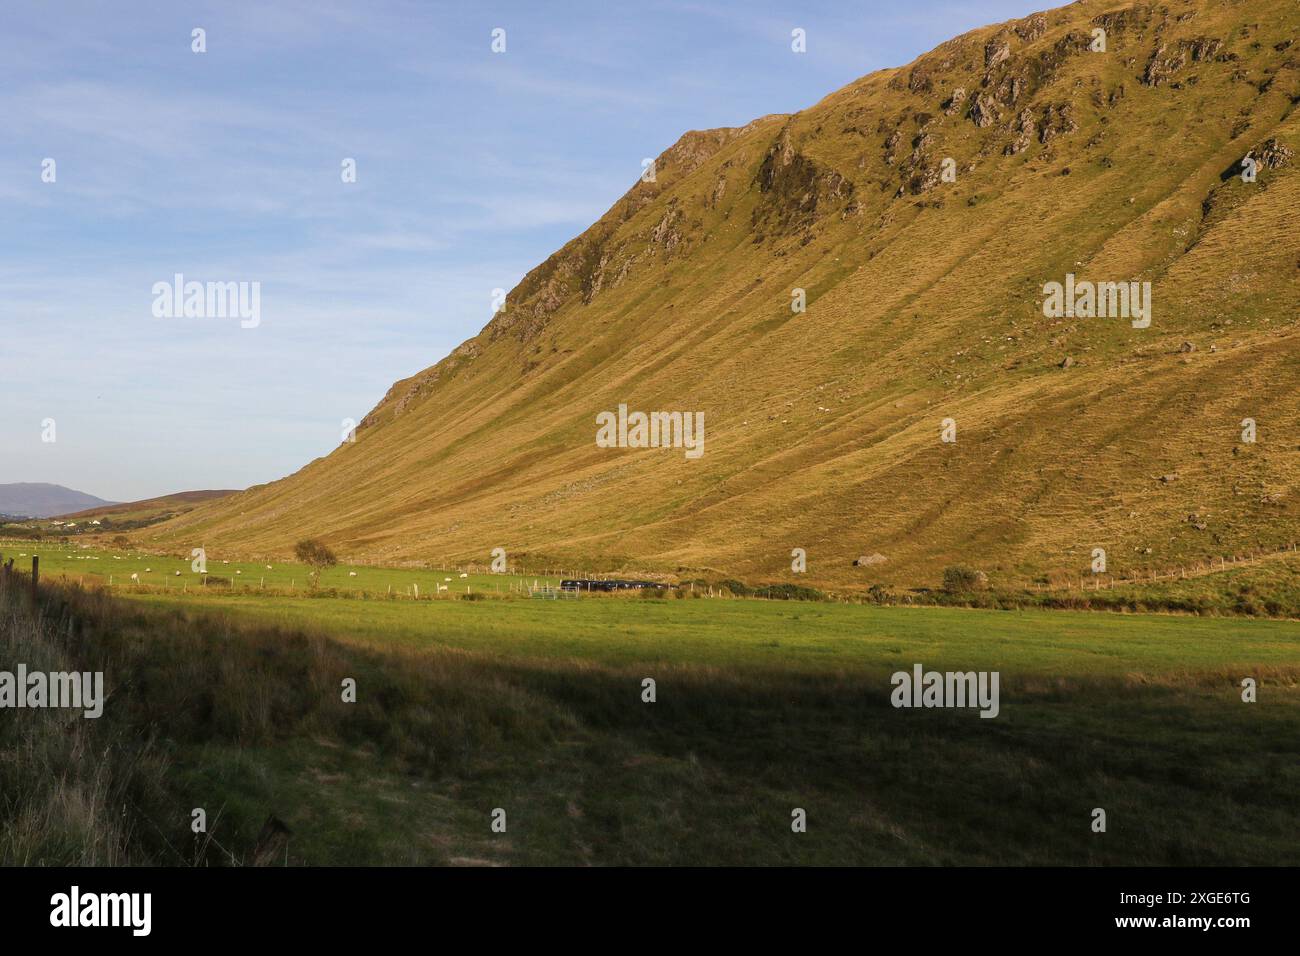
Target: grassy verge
240, 713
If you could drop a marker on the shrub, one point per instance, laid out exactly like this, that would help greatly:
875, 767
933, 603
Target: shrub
789, 592
957, 579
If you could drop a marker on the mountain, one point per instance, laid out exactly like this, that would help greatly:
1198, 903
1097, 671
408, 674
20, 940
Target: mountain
929, 297
38, 500
151, 508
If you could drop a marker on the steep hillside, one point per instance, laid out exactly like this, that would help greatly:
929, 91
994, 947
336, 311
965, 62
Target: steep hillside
925, 302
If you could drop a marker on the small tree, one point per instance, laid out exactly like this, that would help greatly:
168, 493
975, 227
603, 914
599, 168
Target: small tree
315, 555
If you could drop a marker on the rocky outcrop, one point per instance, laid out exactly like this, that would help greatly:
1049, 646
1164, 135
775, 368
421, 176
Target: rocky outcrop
923, 177
794, 189
1031, 28
919, 80
943, 59
997, 51
1025, 128
1120, 23
590, 263
1271, 154
1058, 119
409, 390
665, 232
891, 146
1168, 58
983, 110
1020, 77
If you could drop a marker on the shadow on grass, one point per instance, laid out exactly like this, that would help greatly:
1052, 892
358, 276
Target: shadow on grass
248, 723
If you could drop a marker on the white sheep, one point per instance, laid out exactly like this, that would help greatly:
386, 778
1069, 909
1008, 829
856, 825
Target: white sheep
464, 575
352, 574
135, 578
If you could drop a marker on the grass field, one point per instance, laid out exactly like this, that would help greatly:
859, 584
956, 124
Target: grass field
786, 636
628, 629
94, 565
230, 701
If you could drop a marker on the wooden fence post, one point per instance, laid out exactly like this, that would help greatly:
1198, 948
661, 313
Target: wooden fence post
36, 578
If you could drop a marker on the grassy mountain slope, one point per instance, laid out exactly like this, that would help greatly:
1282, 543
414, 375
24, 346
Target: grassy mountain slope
923, 303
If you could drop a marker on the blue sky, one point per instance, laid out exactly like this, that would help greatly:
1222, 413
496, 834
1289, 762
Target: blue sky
472, 167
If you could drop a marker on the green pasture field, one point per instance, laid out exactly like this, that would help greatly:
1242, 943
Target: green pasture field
93, 566
630, 628
762, 707
813, 637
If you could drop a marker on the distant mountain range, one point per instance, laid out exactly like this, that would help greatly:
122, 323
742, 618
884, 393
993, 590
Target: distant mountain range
39, 500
